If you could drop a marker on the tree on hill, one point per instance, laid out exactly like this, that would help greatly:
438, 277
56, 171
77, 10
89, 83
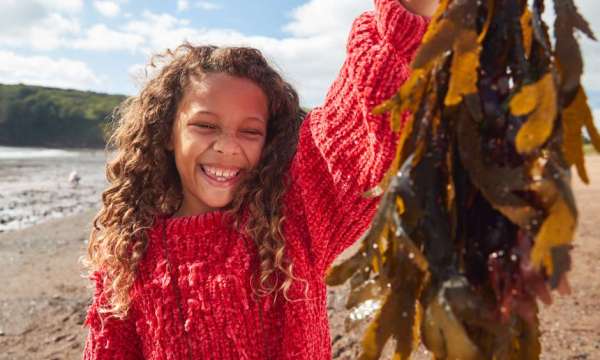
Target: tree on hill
50, 117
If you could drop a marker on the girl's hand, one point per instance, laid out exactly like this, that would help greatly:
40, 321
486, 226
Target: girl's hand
421, 7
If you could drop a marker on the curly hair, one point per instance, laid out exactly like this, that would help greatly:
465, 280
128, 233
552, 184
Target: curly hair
144, 182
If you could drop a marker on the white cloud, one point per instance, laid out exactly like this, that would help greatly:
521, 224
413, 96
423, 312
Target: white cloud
16, 16
207, 5
183, 5
47, 33
318, 27
325, 17
42, 70
69, 6
41, 25
107, 8
100, 38
161, 30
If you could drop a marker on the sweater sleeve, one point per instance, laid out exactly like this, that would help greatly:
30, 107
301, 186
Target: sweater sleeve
109, 337
343, 149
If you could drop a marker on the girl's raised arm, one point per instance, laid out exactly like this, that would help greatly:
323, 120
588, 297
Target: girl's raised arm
109, 338
343, 149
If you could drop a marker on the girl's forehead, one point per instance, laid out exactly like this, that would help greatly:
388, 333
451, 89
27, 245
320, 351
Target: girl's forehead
219, 81
225, 92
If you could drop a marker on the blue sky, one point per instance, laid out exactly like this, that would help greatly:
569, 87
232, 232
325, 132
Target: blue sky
102, 45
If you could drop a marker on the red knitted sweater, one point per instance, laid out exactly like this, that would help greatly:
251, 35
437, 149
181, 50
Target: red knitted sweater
343, 151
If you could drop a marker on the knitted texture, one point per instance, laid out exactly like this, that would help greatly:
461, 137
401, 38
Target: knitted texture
343, 151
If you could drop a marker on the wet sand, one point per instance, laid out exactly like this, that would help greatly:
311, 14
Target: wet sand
37, 189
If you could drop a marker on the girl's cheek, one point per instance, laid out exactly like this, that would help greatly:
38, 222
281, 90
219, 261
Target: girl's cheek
198, 141
254, 152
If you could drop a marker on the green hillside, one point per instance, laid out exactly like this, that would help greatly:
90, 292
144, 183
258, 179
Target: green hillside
50, 117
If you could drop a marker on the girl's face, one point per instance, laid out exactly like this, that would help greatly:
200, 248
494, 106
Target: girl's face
218, 134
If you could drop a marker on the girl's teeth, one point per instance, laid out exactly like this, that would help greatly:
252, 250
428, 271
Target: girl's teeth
223, 174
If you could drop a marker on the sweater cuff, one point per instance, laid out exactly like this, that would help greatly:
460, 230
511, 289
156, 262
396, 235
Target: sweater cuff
399, 27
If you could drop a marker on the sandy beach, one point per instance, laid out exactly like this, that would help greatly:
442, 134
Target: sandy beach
44, 298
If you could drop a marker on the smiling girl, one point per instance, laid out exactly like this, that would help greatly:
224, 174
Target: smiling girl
227, 203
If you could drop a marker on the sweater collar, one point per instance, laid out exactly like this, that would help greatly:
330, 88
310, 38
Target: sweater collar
216, 219
192, 223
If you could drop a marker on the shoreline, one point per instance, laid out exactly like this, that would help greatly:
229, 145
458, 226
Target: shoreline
38, 188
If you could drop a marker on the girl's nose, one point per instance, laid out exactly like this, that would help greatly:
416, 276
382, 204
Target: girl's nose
226, 144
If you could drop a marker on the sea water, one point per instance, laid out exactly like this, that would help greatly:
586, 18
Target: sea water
35, 186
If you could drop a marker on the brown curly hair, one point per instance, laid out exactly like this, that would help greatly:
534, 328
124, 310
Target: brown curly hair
144, 181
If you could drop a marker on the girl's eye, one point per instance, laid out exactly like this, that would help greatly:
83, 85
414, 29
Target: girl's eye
252, 132
206, 126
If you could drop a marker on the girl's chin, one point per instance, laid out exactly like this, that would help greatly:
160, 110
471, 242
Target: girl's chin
202, 203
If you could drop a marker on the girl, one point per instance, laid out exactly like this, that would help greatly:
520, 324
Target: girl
225, 209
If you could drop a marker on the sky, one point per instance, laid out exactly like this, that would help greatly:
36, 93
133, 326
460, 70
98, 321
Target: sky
104, 45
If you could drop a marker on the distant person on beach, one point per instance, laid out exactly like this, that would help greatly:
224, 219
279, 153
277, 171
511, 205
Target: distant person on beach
227, 203
74, 178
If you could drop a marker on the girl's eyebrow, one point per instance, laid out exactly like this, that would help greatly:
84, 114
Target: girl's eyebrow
208, 112
205, 112
255, 118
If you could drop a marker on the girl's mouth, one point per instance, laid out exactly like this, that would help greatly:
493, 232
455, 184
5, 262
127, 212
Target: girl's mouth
221, 177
